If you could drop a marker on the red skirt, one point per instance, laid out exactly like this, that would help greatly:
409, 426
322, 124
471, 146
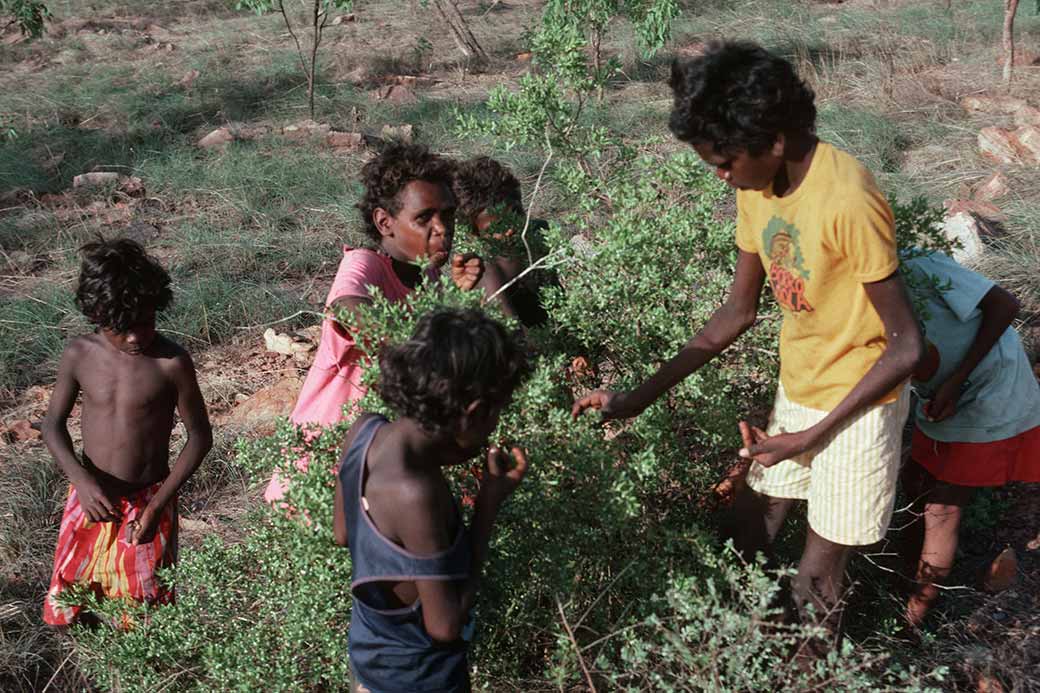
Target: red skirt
97, 555
980, 464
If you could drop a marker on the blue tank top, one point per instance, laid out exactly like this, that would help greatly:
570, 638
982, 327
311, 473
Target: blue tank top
390, 650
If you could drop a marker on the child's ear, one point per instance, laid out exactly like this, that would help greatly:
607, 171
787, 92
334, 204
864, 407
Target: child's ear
778, 145
384, 221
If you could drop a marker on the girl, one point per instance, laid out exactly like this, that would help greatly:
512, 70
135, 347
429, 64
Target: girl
978, 419
416, 566
409, 214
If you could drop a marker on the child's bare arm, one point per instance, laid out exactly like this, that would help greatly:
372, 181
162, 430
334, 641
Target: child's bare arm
339, 517
446, 605
999, 309
905, 348
192, 410
727, 323
97, 505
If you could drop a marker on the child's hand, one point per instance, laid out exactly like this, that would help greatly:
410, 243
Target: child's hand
944, 404
142, 530
612, 405
95, 503
466, 270
500, 479
767, 450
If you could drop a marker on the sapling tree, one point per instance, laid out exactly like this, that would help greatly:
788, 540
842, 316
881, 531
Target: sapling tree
306, 29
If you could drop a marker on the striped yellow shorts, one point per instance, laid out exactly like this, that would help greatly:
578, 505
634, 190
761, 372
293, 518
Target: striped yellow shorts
850, 481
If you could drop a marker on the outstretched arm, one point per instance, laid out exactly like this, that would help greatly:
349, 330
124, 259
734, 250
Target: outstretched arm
905, 348
727, 323
999, 309
192, 410
97, 505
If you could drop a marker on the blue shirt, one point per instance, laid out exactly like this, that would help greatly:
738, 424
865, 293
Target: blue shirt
1001, 397
390, 650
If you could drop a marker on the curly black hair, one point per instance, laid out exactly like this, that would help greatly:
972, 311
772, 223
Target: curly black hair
485, 184
453, 358
119, 283
385, 176
738, 96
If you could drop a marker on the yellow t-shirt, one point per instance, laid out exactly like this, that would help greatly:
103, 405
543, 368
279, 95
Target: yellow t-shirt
819, 245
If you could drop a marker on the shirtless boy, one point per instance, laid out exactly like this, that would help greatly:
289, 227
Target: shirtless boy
120, 520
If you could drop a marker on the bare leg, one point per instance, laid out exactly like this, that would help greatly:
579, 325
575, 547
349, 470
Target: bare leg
942, 519
820, 582
755, 519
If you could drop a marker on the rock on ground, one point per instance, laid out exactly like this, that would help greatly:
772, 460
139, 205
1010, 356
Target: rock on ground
266, 406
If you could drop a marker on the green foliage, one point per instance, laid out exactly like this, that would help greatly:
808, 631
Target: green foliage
709, 633
264, 611
549, 108
29, 15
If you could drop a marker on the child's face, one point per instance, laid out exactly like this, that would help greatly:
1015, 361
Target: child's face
136, 340
477, 427
423, 226
741, 170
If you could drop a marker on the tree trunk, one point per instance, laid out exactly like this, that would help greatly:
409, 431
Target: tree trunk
1010, 8
464, 38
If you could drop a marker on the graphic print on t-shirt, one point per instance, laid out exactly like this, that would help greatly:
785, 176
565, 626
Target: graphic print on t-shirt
787, 272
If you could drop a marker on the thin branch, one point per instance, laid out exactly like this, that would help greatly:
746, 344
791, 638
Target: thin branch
541, 262
577, 650
288, 25
285, 319
534, 196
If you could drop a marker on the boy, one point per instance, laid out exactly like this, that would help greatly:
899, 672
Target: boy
120, 520
490, 202
811, 219
416, 566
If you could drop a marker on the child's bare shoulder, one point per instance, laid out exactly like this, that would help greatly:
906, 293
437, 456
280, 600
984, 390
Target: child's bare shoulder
174, 357
83, 348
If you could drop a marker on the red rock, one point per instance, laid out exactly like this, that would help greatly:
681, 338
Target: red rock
306, 128
345, 140
979, 208
344, 19
1029, 143
992, 104
21, 431
524, 57
999, 145
218, 139
267, 405
993, 188
1027, 115
95, 178
397, 94
1003, 572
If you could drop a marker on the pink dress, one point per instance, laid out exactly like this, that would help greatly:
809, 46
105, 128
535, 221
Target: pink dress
334, 379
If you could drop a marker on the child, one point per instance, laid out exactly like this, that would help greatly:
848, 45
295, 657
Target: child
489, 201
977, 422
120, 521
812, 220
416, 572
409, 215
